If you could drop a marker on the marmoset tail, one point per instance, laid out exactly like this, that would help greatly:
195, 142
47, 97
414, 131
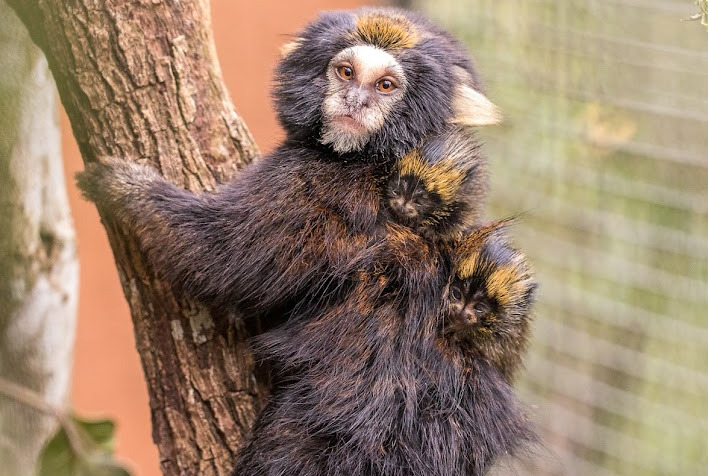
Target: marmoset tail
440, 188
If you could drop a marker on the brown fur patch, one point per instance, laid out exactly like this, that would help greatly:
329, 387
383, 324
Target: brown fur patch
400, 235
387, 30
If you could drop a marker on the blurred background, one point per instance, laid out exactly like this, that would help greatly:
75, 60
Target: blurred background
604, 144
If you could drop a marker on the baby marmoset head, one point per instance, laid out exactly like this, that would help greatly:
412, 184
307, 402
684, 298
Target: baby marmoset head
439, 189
374, 82
490, 299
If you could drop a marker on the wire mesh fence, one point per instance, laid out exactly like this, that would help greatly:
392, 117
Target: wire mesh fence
605, 144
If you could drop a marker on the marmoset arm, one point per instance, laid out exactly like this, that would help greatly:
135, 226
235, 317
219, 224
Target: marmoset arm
257, 242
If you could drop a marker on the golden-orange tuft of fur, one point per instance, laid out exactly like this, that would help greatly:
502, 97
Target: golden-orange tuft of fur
386, 30
509, 283
289, 47
442, 177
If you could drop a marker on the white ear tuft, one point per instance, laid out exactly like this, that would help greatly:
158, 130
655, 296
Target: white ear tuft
472, 108
289, 47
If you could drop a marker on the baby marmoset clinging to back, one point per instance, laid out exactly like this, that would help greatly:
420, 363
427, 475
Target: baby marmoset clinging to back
439, 189
490, 299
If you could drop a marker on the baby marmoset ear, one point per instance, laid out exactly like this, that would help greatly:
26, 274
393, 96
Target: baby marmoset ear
472, 108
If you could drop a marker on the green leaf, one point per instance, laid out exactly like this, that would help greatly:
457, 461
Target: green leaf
92, 457
102, 469
100, 432
58, 458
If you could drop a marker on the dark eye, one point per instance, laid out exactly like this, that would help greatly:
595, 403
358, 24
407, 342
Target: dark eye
455, 293
386, 85
345, 72
481, 308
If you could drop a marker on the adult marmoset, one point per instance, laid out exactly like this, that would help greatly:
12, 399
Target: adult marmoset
381, 383
303, 229
354, 92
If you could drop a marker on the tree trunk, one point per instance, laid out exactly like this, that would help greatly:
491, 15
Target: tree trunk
140, 80
38, 267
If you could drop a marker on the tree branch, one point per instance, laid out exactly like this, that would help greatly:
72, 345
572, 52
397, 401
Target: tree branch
141, 80
38, 268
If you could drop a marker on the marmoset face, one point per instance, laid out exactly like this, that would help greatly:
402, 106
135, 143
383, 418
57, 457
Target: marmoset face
492, 290
373, 83
410, 201
471, 306
364, 82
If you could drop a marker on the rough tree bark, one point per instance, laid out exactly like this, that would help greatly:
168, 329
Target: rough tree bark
140, 80
38, 266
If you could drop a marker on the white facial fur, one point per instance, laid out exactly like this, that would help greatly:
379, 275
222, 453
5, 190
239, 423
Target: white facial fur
354, 109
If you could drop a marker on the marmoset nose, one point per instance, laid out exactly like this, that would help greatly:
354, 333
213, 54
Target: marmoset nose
357, 97
469, 315
409, 210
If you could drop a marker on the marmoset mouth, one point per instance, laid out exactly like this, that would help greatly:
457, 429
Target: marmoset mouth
405, 209
348, 122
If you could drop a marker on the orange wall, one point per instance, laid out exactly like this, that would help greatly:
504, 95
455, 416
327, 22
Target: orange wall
108, 379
